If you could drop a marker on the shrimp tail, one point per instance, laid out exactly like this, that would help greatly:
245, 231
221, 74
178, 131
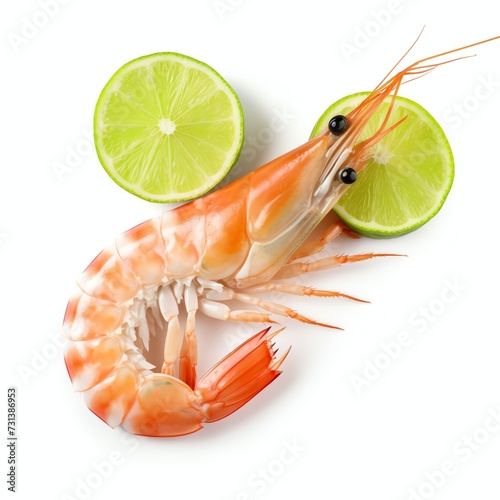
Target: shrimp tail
240, 376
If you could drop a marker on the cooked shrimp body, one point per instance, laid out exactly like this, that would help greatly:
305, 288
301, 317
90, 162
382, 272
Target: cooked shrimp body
231, 245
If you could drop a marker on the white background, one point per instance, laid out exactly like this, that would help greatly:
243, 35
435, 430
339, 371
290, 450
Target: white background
432, 404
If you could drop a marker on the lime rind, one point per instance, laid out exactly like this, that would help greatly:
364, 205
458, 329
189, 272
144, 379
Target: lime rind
185, 135
409, 177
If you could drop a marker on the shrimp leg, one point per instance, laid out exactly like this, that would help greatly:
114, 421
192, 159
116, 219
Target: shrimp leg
189, 350
315, 246
170, 312
216, 310
220, 311
298, 268
299, 290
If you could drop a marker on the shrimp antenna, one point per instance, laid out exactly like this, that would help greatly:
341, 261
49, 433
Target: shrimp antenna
419, 69
401, 58
416, 70
390, 86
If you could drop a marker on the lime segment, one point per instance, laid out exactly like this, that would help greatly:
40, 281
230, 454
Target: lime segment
409, 176
167, 127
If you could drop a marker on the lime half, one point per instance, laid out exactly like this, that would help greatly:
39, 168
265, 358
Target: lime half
167, 127
409, 176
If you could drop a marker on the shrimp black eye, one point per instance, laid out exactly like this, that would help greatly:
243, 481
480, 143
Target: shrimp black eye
338, 124
348, 175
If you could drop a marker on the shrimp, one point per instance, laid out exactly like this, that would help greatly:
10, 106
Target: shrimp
230, 245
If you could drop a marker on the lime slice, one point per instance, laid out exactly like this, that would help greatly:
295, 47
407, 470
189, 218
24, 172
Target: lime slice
167, 127
408, 178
